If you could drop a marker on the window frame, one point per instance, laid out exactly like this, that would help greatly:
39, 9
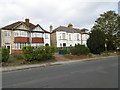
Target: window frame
7, 34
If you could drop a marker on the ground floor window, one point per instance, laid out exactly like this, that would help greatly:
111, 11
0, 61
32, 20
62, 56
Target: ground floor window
60, 44
20, 45
64, 44
37, 44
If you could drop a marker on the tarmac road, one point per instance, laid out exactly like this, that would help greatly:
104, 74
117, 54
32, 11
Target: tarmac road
102, 73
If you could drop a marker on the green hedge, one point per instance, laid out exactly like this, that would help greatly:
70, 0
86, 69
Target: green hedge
79, 50
40, 53
5, 54
76, 50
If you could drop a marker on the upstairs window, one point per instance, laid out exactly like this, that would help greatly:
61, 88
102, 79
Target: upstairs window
7, 34
21, 33
70, 37
37, 35
46, 36
63, 36
78, 37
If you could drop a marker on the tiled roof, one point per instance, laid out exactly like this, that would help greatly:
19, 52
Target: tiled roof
67, 29
41, 28
11, 26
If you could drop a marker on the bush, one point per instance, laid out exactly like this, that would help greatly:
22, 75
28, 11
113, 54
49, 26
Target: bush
5, 54
0, 54
39, 53
90, 54
18, 56
65, 50
28, 53
104, 54
79, 50
50, 49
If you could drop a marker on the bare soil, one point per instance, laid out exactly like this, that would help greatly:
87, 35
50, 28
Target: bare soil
60, 57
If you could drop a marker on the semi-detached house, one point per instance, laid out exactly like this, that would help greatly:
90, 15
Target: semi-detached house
20, 34
68, 36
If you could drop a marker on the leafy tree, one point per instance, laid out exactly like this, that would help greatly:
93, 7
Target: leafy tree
109, 23
96, 41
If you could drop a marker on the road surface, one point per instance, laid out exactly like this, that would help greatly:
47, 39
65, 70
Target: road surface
102, 73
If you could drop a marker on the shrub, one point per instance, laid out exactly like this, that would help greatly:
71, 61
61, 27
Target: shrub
50, 49
28, 53
104, 54
39, 53
0, 54
79, 50
65, 50
90, 54
5, 54
18, 56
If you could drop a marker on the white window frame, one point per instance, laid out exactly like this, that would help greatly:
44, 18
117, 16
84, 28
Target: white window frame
70, 37
63, 36
46, 36
40, 35
20, 45
78, 37
37, 44
7, 34
21, 34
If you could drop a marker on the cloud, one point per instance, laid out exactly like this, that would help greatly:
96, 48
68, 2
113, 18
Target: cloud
56, 12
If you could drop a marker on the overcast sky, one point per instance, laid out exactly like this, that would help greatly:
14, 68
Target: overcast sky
80, 13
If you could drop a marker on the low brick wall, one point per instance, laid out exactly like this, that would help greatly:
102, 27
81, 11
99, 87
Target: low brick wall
16, 51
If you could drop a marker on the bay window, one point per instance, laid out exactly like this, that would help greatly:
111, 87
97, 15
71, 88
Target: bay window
21, 33
20, 45
37, 44
37, 35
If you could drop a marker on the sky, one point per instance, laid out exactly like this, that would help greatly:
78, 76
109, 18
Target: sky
80, 13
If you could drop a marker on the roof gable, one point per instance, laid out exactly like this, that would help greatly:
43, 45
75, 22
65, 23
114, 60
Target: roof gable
17, 25
38, 28
22, 26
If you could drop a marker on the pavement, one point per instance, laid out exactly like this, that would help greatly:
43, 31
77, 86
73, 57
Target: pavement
21, 67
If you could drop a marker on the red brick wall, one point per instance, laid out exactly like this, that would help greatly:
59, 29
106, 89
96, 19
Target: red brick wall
21, 40
37, 40
16, 51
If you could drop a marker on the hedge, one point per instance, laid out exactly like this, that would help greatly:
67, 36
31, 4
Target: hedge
40, 53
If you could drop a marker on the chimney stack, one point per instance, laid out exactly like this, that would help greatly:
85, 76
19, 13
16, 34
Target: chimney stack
51, 28
70, 25
27, 21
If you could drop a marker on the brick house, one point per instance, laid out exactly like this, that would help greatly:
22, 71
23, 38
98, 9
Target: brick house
68, 36
20, 34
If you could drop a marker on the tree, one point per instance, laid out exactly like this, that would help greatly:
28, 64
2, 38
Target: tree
109, 23
96, 41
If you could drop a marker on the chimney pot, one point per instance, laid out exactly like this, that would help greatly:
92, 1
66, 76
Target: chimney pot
70, 25
27, 21
51, 27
